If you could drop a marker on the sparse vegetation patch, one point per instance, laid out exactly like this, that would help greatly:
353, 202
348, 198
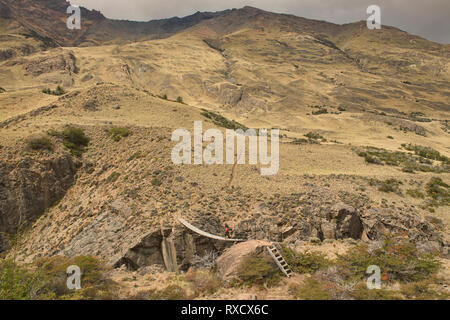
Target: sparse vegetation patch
389, 185
75, 140
40, 143
221, 121
404, 160
57, 92
308, 262
118, 133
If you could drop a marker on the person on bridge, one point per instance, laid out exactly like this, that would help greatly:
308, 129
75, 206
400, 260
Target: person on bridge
227, 231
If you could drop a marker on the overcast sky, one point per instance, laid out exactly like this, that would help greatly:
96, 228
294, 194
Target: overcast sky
427, 18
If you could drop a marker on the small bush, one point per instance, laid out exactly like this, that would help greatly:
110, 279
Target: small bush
40, 143
439, 191
57, 92
75, 140
315, 136
389, 185
415, 193
307, 262
258, 270
180, 100
138, 154
118, 133
311, 289
156, 182
171, 292
113, 177
320, 111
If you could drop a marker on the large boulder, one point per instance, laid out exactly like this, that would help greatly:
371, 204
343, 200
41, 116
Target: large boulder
229, 262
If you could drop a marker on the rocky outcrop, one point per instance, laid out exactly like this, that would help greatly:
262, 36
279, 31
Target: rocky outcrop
184, 246
341, 222
381, 222
28, 187
63, 62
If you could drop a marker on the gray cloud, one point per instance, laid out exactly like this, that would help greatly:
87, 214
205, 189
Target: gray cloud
429, 19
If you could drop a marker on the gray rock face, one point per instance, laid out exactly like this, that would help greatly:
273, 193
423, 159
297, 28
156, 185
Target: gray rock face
343, 222
29, 187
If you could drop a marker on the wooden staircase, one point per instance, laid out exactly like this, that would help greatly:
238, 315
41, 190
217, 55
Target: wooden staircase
282, 264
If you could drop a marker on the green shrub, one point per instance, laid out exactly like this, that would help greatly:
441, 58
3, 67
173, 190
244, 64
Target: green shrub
315, 136
415, 193
19, 283
156, 182
171, 292
361, 292
304, 141
221, 121
426, 152
311, 289
113, 177
408, 162
93, 284
399, 259
118, 133
439, 191
138, 154
258, 270
180, 100
424, 290
307, 262
389, 185
75, 140
40, 143
47, 279
57, 92
320, 111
